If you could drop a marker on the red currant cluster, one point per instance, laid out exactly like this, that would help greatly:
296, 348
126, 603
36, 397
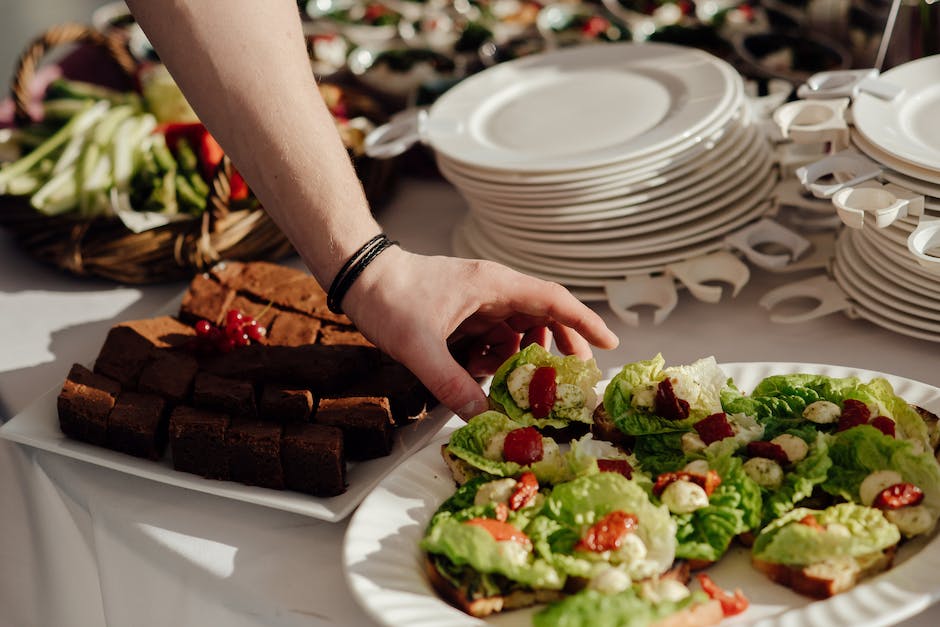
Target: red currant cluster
238, 330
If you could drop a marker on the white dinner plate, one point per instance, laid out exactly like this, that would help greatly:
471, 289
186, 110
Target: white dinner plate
38, 426
384, 565
905, 127
876, 302
890, 161
582, 107
890, 270
899, 254
930, 191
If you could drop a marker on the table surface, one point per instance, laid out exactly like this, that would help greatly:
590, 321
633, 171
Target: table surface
83, 545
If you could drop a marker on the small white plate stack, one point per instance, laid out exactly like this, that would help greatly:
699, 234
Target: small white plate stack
592, 164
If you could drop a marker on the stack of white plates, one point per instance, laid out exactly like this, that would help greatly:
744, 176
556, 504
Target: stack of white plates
596, 163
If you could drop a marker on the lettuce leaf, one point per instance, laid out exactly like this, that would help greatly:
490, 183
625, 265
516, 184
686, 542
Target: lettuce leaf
787, 541
569, 369
659, 453
799, 481
590, 608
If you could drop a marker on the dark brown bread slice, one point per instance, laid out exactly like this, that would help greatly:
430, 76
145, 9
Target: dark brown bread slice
169, 374
197, 441
826, 579
313, 459
138, 425
235, 397
205, 299
130, 345
284, 404
604, 428
84, 404
293, 329
254, 453
366, 423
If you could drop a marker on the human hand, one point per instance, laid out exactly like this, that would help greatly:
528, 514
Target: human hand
412, 306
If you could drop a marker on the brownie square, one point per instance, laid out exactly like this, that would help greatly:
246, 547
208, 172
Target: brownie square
130, 345
285, 287
320, 369
254, 453
205, 300
84, 404
366, 423
243, 362
312, 458
227, 273
197, 441
334, 335
233, 396
285, 404
293, 329
170, 375
408, 398
138, 425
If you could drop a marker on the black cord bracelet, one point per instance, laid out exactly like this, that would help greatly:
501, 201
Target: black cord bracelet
353, 267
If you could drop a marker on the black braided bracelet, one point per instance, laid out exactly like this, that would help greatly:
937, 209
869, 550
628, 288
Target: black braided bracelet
353, 267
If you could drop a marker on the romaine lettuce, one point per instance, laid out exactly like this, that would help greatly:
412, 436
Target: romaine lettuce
800, 480
591, 608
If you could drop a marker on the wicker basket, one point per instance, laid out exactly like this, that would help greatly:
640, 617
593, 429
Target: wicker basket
104, 247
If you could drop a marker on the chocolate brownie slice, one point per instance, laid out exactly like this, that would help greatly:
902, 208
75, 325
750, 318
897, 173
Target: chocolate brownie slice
313, 461
197, 441
130, 345
138, 425
408, 398
84, 404
285, 404
334, 335
233, 396
205, 300
366, 423
293, 329
320, 369
254, 453
170, 375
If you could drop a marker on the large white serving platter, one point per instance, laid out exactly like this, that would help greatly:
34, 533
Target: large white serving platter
582, 107
38, 426
383, 562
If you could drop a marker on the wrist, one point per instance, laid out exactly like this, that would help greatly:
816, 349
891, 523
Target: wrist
353, 268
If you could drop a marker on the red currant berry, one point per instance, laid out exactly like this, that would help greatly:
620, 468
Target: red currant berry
203, 327
234, 318
225, 345
242, 340
255, 331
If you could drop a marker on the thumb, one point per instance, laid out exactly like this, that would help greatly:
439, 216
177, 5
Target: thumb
447, 380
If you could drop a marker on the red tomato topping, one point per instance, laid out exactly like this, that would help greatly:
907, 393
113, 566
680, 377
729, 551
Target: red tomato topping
615, 465
500, 530
883, 424
527, 486
542, 390
523, 446
667, 404
502, 512
707, 482
730, 604
713, 428
768, 450
810, 521
897, 496
607, 534
854, 413
595, 25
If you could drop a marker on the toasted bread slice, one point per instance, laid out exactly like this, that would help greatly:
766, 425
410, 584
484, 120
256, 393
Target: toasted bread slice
700, 615
460, 470
604, 428
830, 577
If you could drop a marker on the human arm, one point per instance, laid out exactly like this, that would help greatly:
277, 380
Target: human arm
244, 68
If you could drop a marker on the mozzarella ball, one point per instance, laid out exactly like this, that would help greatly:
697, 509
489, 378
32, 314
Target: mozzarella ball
657, 591
568, 395
697, 466
644, 396
822, 412
684, 497
497, 491
518, 383
912, 520
794, 446
611, 580
875, 483
692, 443
494, 447
765, 472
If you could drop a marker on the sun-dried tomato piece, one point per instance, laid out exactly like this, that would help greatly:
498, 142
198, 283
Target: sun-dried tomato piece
667, 404
708, 482
527, 486
713, 428
500, 530
768, 450
730, 604
523, 446
810, 521
883, 424
897, 496
542, 389
607, 533
616, 465
502, 512
854, 413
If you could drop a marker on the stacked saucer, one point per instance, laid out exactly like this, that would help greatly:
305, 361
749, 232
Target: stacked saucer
592, 164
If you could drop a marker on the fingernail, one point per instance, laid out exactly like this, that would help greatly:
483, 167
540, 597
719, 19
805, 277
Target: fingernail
473, 408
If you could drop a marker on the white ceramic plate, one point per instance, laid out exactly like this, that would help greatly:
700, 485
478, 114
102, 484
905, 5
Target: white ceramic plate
894, 272
582, 107
898, 254
873, 300
383, 563
905, 127
890, 161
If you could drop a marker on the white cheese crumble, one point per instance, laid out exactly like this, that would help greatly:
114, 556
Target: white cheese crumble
494, 447
518, 383
644, 396
515, 552
664, 590
497, 491
794, 446
765, 472
912, 520
610, 580
822, 412
697, 466
692, 442
684, 497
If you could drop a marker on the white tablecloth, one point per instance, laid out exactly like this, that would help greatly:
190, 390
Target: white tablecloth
86, 546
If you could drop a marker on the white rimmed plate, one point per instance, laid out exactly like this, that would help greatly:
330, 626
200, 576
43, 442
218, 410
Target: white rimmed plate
892, 271
905, 127
875, 301
582, 107
384, 565
890, 161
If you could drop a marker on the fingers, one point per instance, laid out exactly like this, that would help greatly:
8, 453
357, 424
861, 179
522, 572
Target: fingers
453, 386
570, 342
537, 335
490, 350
